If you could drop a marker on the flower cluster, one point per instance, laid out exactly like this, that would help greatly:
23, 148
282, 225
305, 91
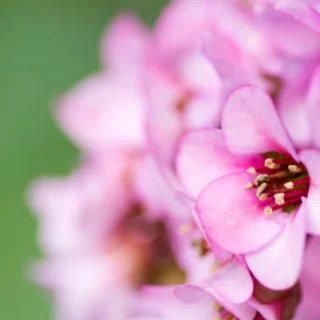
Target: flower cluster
197, 195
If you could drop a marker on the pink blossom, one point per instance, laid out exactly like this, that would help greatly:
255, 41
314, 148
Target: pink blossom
105, 228
239, 206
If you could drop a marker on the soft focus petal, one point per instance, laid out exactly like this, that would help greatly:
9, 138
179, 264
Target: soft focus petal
161, 303
310, 281
232, 282
270, 311
313, 107
233, 217
163, 96
301, 10
251, 124
291, 34
159, 198
193, 294
103, 111
203, 157
311, 159
203, 110
181, 24
277, 266
293, 113
125, 43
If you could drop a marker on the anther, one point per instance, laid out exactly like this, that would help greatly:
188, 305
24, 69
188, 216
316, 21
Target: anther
261, 189
263, 197
289, 185
261, 178
252, 170
279, 198
217, 307
185, 228
268, 211
249, 185
269, 163
294, 168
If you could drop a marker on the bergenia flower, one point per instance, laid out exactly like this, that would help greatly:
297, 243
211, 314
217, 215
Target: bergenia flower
150, 226
262, 198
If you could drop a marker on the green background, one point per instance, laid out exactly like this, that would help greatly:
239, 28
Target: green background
46, 47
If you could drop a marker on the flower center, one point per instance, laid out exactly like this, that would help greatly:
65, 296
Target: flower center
156, 264
281, 183
223, 314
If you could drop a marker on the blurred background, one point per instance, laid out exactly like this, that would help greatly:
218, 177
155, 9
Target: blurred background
46, 47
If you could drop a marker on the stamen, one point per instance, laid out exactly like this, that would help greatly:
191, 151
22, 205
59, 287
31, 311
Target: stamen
185, 228
263, 197
295, 200
249, 185
279, 198
260, 179
294, 168
305, 180
280, 174
299, 192
289, 185
252, 170
268, 211
217, 307
269, 163
261, 189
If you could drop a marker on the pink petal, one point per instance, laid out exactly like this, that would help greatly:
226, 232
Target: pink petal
310, 281
232, 282
159, 198
203, 110
219, 253
192, 294
103, 110
311, 159
277, 266
313, 107
203, 157
181, 24
198, 73
164, 122
125, 42
233, 217
302, 11
154, 298
268, 311
294, 114
291, 33
251, 124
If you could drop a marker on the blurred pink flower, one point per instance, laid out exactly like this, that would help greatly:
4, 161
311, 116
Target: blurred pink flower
146, 208
244, 211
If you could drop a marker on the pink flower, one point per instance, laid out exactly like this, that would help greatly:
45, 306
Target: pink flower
248, 175
185, 92
107, 228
